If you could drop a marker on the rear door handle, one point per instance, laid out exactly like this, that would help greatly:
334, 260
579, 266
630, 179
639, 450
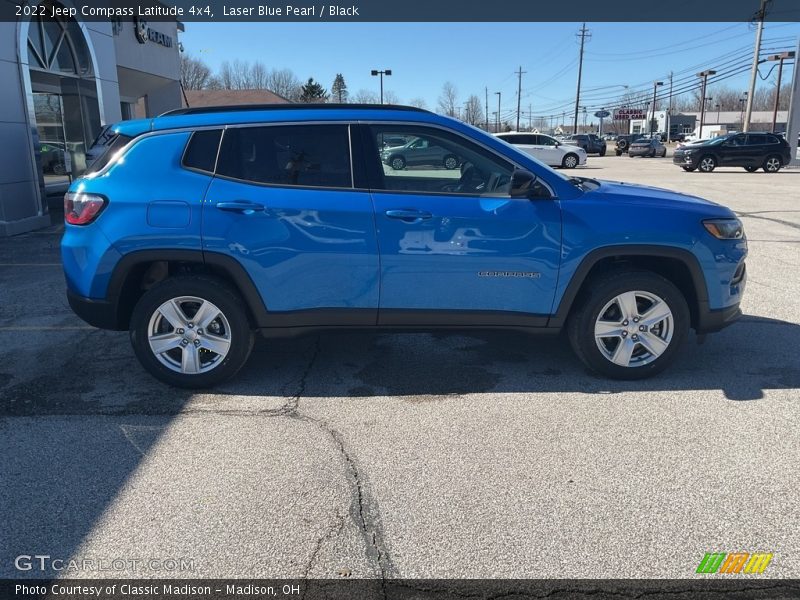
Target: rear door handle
241, 206
409, 215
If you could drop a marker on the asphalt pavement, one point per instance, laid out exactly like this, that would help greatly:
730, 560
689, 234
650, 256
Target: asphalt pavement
408, 455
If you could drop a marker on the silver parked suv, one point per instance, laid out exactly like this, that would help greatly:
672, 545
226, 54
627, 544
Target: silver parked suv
420, 152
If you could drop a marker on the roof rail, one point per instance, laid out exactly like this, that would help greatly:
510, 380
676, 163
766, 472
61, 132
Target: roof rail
259, 107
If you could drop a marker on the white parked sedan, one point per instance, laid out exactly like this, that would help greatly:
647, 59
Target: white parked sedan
546, 149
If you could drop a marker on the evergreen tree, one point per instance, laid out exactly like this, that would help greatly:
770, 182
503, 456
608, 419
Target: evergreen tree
339, 89
313, 92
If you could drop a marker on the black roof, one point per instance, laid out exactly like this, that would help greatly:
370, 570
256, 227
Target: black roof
304, 106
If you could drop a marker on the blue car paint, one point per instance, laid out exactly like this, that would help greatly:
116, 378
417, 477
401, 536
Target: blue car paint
337, 249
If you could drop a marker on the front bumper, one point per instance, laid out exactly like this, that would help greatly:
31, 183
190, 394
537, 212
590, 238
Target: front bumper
711, 321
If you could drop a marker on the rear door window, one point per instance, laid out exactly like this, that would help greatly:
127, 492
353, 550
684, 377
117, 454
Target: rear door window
201, 151
287, 155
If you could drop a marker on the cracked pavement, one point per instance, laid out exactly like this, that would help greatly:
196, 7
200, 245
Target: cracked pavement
410, 455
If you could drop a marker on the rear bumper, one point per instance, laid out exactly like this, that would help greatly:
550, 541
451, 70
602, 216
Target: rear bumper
96, 312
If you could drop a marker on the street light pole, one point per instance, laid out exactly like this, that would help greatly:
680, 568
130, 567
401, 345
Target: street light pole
704, 75
779, 57
762, 12
718, 109
387, 72
655, 87
498, 112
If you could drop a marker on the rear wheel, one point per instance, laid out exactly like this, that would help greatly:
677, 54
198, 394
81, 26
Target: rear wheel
602, 151
707, 164
629, 325
191, 331
398, 163
751, 169
772, 164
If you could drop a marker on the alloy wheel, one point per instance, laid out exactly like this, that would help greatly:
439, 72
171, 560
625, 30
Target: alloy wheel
189, 335
634, 329
707, 165
772, 164
570, 162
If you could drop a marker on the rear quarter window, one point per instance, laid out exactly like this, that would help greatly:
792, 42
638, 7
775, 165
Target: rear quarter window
106, 147
201, 151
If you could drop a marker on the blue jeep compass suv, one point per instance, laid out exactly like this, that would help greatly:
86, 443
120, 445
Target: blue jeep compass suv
198, 228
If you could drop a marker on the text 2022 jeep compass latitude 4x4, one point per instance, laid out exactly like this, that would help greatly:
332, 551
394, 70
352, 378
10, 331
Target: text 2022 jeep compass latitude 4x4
198, 228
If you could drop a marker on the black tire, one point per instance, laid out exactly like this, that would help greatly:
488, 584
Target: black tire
688, 169
618, 152
772, 164
570, 161
751, 169
597, 295
602, 152
450, 162
397, 162
232, 316
707, 163
653, 154
664, 153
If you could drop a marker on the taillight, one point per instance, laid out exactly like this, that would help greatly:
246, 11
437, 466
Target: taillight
82, 209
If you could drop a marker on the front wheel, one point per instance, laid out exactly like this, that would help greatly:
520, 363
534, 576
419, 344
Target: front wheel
707, 164
751, 169
398, 163
602, 152
629, 325
450, 162
688, 169
570, 161
191, 331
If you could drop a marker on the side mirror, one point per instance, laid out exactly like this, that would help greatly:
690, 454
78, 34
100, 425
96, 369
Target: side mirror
522, 183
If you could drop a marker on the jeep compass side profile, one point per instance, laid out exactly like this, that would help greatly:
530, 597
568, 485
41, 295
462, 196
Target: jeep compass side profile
196, 229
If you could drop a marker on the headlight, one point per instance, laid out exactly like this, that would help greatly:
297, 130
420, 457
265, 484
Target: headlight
725, 229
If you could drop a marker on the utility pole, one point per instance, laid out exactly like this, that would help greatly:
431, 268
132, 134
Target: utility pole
498, 112
530, 117
793, 120
762, 12
584, 33
487, 108
519, 92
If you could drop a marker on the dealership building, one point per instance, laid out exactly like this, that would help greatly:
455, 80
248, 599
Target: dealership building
62, 81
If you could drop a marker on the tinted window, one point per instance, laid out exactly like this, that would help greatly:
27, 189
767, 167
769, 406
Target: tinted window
302, 155
106, 151
201, 153
445, 163
546, 140
772, 139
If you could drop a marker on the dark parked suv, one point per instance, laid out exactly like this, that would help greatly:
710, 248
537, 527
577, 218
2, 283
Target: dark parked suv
749, 150
589, 142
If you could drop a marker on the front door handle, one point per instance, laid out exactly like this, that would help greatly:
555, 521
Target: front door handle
241, 206
408, 215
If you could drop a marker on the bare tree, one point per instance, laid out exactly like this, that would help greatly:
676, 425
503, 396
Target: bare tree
366, 97
448, 100
389, 97
419, 103
195, 74
284, 83
473, 110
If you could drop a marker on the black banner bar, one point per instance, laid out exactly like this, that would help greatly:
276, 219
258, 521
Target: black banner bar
408, 10
727, 588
